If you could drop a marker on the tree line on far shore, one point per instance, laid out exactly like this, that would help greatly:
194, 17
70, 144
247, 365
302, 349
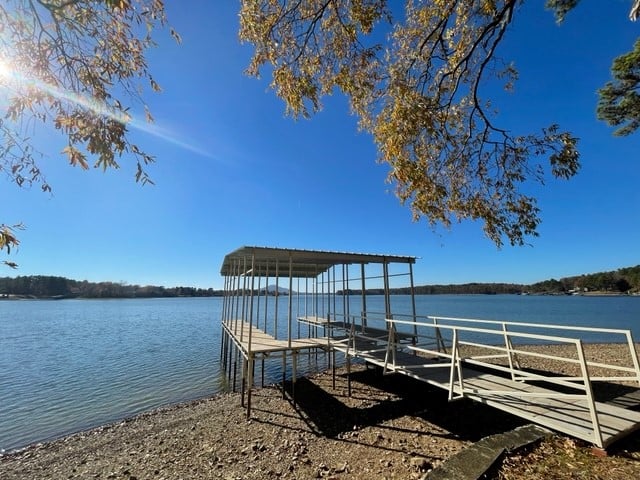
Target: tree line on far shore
44, 286
623, 280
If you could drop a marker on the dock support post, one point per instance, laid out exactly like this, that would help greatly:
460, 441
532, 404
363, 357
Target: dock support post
222, 347
284, 373
250, 365
333, 369
294, 362
235, 371
230, 353
348, 376
226, 347
244, 381
223, 343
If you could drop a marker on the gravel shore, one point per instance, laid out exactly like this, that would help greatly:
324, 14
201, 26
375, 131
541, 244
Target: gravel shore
391, 427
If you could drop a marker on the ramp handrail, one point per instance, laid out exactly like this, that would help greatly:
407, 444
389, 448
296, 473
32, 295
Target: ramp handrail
440, 322
455, 359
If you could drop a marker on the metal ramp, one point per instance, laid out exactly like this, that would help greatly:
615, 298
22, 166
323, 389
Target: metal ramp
436, 351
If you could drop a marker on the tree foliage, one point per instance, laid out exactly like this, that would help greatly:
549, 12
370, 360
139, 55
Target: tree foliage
418, 84
621, 280
8, 240
75, 65
619, 103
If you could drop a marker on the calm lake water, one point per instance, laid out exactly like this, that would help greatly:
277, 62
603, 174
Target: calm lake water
69, 365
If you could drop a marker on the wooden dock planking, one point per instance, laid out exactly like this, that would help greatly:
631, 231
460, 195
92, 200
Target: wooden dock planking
264, 343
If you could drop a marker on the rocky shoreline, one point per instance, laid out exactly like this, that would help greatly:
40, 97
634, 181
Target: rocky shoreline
391, 427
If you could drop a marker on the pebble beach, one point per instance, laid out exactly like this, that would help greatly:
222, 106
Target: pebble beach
390, 427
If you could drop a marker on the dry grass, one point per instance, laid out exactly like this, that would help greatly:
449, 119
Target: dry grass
563, 458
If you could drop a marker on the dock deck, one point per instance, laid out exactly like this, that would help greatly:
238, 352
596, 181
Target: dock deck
254, 341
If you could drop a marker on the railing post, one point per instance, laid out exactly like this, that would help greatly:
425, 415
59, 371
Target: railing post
597, 434
390, 341
634, 354
394, 341
455, 366
509, 348
243, 317
348, 357
439, 340
352, 338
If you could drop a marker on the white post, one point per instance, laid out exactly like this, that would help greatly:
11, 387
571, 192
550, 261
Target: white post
253, 264
508, 346
244, 298
275, 318
266, 295
597, 434
290, 299
363, 287
413, 303
456, 366
634, 354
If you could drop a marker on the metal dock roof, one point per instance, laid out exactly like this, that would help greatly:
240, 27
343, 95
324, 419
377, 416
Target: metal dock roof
304, 263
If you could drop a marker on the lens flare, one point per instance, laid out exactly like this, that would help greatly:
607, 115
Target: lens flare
5, 70
14, 81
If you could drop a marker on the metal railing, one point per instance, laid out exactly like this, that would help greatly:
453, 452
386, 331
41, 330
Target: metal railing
459, 352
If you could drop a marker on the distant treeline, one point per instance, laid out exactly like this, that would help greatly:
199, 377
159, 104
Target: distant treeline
466, 288
621, 280
41, 286
624, 280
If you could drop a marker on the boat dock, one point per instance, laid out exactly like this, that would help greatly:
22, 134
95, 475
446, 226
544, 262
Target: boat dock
486, 361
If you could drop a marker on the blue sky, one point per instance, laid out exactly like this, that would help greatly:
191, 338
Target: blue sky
232, 170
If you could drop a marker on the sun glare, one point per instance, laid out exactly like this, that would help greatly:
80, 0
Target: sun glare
6, 71
11, 78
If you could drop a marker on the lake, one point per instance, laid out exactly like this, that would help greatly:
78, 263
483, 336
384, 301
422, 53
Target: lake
70, 365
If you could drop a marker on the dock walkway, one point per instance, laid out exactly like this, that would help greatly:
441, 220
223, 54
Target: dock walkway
564, 404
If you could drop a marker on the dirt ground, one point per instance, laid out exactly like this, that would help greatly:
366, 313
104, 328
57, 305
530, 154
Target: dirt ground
390, 427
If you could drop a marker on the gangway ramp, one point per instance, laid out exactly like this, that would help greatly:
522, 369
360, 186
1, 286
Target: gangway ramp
490, 372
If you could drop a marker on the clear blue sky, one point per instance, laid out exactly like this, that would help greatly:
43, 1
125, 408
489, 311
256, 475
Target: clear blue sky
232, 170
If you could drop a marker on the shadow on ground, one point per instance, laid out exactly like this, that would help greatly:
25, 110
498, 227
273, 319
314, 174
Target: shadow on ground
327, 415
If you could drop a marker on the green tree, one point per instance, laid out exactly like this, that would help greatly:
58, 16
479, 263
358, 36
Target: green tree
417, 84
620, 99
76, 66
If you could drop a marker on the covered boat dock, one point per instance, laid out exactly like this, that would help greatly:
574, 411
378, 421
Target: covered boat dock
284, 303
317, 286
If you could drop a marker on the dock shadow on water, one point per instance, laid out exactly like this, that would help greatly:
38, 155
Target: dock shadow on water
377, 400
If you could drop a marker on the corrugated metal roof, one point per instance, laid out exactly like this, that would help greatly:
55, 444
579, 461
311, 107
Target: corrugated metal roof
304, 263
